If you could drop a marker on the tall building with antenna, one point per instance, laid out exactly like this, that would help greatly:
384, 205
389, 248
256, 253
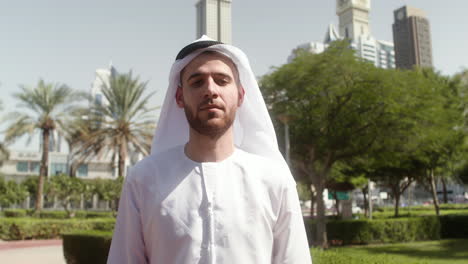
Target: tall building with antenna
214, 19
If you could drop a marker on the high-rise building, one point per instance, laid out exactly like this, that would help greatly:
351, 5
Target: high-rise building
102, 80
412, 37
214, 19
353, 17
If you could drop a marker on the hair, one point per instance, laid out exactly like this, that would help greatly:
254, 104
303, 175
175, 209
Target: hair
212, 52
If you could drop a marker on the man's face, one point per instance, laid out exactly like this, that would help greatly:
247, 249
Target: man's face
210, 94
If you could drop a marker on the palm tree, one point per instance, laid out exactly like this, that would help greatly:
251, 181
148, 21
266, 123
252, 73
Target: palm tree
124, 124
49, 106
4, 153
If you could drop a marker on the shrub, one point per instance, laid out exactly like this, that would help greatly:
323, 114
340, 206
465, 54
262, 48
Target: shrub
86, 247
15, 213
454, 226
91, 214
30, 228
348, 232
53, 214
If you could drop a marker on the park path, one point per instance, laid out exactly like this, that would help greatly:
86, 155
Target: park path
31, 252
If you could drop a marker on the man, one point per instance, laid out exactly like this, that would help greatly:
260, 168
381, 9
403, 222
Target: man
215, 188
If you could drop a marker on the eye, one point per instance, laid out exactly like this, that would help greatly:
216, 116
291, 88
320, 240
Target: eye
223, 81
196, 83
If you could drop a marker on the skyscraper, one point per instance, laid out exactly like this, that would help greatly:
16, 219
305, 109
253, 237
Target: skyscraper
214, 19
353, 17
412, 38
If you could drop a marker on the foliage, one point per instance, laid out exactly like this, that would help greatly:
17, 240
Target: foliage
67, 190
342, 106
15, 213
55, 214
47, 106
124, 123
304, 192
454, 226
109, 190
30, 228
11, 193
31, 182
86, 247
352, 232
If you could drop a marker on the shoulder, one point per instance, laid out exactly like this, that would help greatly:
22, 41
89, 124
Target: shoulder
150, 166
273, 172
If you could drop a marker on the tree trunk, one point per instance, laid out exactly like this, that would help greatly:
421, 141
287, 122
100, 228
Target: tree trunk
122, 158
434, 192
73, 167
44, 168
397, 195
337, 204
321, 235
444, 189
366, 204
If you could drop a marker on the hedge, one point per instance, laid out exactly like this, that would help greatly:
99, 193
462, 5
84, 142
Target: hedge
352, 232
86, 247
59, 214
31, 228
15, 213
454, 226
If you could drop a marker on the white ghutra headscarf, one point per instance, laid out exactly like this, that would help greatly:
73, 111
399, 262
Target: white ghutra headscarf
253, 129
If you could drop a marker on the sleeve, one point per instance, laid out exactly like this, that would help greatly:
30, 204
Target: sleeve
290, 240
127, 242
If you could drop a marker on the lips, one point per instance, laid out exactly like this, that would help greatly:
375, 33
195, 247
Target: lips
208, 107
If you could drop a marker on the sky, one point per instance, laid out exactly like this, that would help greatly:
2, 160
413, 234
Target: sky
66, 41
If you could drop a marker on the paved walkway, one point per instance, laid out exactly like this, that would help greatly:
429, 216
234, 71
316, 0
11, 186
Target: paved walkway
31, 252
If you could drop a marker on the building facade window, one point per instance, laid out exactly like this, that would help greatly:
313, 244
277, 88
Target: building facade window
58, 168
34, 166
22, 166
82, 170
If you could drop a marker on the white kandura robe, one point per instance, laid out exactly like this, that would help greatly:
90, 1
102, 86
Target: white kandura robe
242, 210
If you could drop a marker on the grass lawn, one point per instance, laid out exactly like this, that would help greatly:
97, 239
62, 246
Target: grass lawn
452, 251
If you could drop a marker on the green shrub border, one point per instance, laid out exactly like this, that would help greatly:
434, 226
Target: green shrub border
58, 214
31, 228
357, 232
86, 247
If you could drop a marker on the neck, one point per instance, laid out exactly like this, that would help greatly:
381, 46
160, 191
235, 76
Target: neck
202, 148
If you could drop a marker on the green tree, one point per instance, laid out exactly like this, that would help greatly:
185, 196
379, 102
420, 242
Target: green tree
124, 124
4, 153
109, 190
67, 189
439, 125
48, 105
11, 193
340, 108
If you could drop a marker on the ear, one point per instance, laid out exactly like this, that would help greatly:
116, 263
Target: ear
241, 96
179, 97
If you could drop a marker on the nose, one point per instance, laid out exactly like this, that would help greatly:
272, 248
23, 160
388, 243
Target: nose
211, 90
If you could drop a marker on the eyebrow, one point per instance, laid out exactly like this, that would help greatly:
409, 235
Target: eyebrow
197, 74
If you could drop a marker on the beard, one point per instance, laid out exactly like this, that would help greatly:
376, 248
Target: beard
213, 125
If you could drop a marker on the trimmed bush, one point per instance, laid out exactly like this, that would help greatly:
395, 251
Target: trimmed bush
454, 226
53, 214
30, 228
86, 247
59, 214
352, 232
15, 212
